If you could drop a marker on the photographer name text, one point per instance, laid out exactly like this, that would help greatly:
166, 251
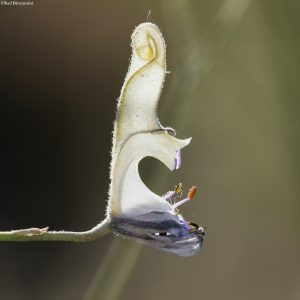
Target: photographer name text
17, 3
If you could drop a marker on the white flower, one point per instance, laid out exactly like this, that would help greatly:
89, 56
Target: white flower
134, 210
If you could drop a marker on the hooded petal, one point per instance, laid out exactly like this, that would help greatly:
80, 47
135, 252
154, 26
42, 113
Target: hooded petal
137, 105
137, 131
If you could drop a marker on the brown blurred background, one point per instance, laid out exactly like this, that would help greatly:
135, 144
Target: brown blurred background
234, 87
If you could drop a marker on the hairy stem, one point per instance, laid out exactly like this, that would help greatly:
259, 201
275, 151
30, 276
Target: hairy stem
42, 234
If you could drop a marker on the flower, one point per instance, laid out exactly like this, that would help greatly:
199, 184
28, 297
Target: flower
134, 210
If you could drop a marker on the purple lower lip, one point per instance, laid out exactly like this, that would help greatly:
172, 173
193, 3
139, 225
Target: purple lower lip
178, 160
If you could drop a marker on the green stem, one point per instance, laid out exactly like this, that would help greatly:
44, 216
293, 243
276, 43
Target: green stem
42, 234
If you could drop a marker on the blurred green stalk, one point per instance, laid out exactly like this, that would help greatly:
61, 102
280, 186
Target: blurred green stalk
114, 271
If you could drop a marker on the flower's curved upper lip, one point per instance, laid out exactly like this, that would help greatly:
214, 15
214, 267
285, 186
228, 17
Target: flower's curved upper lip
138, 132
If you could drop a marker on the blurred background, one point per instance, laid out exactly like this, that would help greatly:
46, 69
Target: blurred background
234, 87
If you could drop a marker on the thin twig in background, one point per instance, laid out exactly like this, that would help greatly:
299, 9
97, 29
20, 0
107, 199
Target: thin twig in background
114, 271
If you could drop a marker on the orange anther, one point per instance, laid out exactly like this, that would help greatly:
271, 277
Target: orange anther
192, 192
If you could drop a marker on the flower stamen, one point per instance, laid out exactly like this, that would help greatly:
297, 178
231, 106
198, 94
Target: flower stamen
180, 202
178, 188
192, 192
190, 196
171, 196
